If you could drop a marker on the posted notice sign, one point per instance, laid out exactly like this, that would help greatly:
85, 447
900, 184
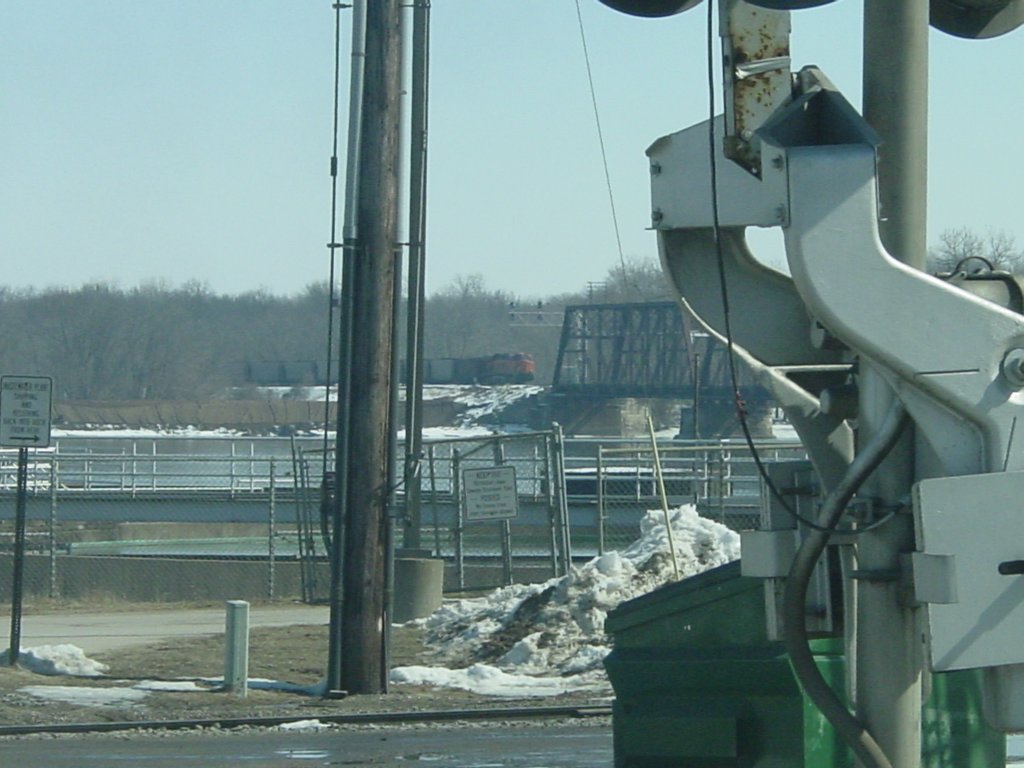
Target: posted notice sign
490, 494
25, 405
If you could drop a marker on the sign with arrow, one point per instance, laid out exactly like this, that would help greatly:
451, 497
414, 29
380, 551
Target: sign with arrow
25, 406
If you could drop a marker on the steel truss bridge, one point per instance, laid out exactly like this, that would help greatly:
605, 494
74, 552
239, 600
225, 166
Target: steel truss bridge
645, 350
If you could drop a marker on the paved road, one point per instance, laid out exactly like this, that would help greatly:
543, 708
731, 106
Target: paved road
102, 632
479, 746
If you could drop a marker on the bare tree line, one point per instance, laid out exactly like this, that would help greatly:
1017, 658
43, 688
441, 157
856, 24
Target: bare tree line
158, 342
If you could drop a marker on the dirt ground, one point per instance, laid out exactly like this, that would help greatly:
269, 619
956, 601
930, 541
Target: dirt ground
295, 655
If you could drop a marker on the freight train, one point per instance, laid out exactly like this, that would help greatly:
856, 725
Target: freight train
503, 368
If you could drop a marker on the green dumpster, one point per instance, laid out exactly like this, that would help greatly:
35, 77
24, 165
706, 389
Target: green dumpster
698, 684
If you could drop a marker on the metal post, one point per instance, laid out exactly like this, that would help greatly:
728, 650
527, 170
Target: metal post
135, 468
231, 470
342, 430
271, 531
505, 526
565, 535
417, 266
433, 502
236, 647
889, 666
549, 491
696, 396
52, 528
600, 501
716, 486
17, 585
460, 565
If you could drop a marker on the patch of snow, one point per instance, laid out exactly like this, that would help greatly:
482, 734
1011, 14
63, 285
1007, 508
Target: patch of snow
553, 632
86, 696
101, 430
304, 726
171, 686
492, 681
63, 659
263, 684
784, 431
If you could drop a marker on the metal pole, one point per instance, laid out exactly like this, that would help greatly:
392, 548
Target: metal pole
549, 471
600, 501
460, 565
433, 502
271, 532
889, 659
696, 396
565, 538
342, 430
17, 585
896, 106
417, 266
505, 525
52, 533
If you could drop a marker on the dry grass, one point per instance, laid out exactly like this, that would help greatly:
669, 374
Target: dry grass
295, 655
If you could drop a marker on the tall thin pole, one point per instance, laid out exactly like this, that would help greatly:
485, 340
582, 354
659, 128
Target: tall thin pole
417, 264
371, 361
17, 582
889, 666
350, 245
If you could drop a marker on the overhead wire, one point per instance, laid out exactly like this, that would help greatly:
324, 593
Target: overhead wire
604, 153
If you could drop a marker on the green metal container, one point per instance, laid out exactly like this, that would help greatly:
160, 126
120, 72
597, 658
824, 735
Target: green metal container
698, 684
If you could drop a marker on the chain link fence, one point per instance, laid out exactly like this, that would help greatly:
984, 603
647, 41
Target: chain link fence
179, 519
614, 482
157, 529
162, 519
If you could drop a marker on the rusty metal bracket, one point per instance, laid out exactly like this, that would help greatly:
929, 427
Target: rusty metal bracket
757, 78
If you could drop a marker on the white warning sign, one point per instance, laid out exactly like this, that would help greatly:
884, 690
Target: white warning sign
490, 494
25, 407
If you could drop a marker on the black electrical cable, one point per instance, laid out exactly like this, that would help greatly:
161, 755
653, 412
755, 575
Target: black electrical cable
723, 283
852, 731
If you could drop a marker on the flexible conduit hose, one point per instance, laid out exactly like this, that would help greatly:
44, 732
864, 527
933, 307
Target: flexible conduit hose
849, 728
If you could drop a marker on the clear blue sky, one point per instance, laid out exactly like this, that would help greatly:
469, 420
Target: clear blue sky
189, 140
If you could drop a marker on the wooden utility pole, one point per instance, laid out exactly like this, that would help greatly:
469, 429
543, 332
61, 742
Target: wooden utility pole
370, 419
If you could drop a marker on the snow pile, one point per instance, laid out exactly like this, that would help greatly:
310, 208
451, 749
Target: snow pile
85, 696
57, 660
304, 726
488, 680
557, 628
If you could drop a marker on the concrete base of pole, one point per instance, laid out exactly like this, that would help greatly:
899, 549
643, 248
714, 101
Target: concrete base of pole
236, 647
418, 585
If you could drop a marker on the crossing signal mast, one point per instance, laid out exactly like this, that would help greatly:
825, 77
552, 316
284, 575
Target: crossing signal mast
927, 450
